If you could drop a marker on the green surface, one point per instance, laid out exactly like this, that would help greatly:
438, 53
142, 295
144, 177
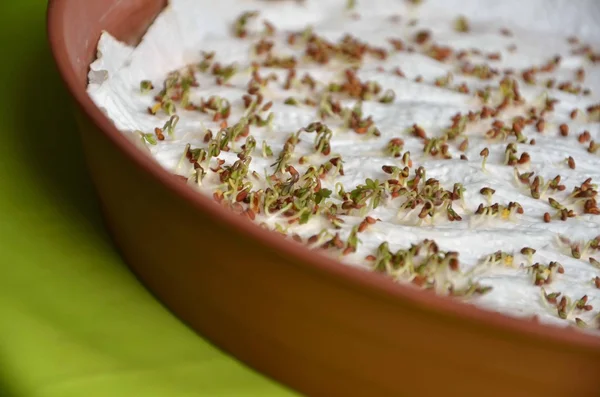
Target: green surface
73, 320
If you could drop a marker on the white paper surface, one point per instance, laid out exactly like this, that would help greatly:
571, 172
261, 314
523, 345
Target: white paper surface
540, 28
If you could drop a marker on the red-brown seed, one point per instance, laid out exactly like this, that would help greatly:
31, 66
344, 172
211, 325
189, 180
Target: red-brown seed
547, 217
363, 226
241, 195
584, 137
418, 132
573, 114
571, 162
422, 36
159, 134
251, 215
564, 129
486, 112
453, 264
267, 106
398, 72
540, 125
517, 126
597, 282
524, 158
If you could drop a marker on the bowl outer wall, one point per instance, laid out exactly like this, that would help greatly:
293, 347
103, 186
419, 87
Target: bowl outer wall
301, 318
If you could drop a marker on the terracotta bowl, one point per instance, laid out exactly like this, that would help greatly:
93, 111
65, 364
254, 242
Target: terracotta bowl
322, 328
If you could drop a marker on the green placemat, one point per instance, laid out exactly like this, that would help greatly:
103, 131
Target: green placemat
73, 320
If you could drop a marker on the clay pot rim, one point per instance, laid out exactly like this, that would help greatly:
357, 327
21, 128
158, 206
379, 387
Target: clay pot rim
361, 281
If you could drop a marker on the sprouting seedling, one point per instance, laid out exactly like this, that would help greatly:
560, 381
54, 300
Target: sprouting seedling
155, 108
284, 158
352, 241
183, 157
576, 251
339, 188
241, 23
580, 323
338, 163
555, 204
582, 304
564, 307
458, 193
452, 215
198, 175
388, 96
510, 157
146, 86
535, 187
406, 159
461, 24
169, 107
528, 252
170, 125
392, 170
523, 178
197, 155
149, 139
487, 192
552, 297
484, 153
394, 147
264, 122
325, 108
266, 150
555, 184
323, 141
248, 147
